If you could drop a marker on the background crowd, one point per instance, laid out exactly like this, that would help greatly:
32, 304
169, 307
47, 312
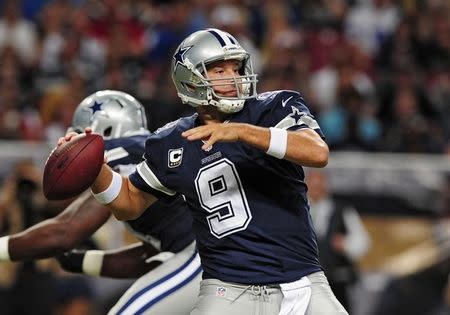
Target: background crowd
375, 73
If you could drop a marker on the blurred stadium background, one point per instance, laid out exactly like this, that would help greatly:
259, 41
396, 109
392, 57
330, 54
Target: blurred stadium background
376, 74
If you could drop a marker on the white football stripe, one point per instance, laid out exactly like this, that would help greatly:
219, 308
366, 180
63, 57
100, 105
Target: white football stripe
151, 179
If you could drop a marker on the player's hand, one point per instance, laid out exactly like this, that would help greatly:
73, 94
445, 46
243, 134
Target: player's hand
338, 242
70, 135
72, 260
215, 132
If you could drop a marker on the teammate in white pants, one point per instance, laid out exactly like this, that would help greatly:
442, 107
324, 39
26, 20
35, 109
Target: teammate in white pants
166, 260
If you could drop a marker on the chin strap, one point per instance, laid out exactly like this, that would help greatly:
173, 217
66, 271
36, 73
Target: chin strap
228, 106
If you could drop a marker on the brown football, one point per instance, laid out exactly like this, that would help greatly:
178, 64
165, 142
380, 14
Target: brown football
72, 167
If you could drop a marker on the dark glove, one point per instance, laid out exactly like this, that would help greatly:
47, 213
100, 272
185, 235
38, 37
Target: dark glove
72, 260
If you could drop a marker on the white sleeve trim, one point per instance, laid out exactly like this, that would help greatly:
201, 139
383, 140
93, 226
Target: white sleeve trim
115, 154
150, 178
288, 122
4, 252
92, 262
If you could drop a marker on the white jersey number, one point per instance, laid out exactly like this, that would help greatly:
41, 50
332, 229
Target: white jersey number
220, 192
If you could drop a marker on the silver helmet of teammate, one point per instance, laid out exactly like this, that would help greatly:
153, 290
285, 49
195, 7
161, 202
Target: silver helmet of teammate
189, 70
113, 114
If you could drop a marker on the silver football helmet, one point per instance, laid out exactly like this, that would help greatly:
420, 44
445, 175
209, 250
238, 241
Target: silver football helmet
189, 74
113, 114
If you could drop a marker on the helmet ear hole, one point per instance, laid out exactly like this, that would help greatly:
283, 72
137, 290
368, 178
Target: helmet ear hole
107, 132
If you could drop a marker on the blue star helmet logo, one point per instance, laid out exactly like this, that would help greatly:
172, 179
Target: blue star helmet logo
179, 56
96, 107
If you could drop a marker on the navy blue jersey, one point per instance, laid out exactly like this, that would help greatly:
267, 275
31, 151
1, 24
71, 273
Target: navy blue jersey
166, 224
251, 214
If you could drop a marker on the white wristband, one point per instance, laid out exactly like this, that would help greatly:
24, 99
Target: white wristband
110, 193
4, 253
92, 262
278, 142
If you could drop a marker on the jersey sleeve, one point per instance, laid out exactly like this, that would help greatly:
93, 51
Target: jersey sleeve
123, 154
289, 111
150, 175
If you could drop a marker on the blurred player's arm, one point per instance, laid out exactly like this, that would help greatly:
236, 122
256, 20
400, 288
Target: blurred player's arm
304, 147
56, 235
130, 261
356, 241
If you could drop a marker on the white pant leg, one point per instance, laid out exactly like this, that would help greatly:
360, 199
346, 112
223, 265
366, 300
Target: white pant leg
323, 301
171, 288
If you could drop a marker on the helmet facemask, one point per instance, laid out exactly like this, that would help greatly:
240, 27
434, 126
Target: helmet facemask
244, 84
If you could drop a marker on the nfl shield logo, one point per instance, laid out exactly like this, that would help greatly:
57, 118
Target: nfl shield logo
221, 291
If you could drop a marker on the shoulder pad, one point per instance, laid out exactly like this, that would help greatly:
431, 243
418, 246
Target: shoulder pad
169, 126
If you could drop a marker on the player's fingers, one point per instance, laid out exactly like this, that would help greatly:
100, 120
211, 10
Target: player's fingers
208, 144
69, 136
63, 140
189, 132
201, 129
87, 130
199, 134
60, 141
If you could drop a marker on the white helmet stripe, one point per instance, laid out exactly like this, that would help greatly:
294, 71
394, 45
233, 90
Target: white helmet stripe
229, 40
217, 36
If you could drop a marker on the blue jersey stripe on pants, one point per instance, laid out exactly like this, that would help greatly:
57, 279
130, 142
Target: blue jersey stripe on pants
172, 281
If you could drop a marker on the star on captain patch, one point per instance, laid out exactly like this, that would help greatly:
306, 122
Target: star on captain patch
179, 56
96, 107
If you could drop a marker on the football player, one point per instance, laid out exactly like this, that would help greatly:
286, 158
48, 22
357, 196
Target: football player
166, 260
238, 162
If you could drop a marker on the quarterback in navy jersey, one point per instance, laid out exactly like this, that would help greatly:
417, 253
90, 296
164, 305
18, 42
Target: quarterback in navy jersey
166, 261
238, 163
256, 208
